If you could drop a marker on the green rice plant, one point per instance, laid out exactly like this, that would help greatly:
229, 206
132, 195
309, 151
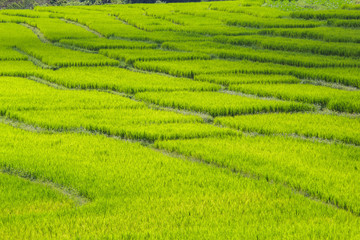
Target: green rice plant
334, 99
183, 19
138, 124
103, 23
154, 132
222, 9
257, 11
24, 94
248, 17
220, 29
198, 23
298, 59
261, 19
344, 23
11, 19
128, 184
62, 57
325, 126
329, 34
235, 78
350, 6
55, 29
97, 119
253, 18
20, 197
346, 104
326, 171
235, 5
99, 43
110, 26
346, 76
18, 68
12, 34
165, 10
219, 104
138, 18
15, 35
7, 53
167, 28
260, 187
52, 28
257, 22
26, 13
163, 36
131, 56
326, 14
40, 105
305, 5
190, 68
121, 80
296, 45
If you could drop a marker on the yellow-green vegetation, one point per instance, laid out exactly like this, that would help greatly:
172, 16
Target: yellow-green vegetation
122, 80
23, 94
327, 171
9, 54
100, 43
206, 120
344, 23
44, 106
20, 37
329, 34
326, 126
238, 78
296, 45
190, 68
326, 14
130, 56
139, 124
21, 197
217, 104
300, 59
18, 68
133, 191
335, 99
55, 29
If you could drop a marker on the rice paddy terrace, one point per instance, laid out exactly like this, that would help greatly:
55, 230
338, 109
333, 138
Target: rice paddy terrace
211, 120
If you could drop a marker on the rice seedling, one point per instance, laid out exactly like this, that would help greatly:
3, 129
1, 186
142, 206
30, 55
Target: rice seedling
344, 23
326, 14
328, 34
335, 99
296, 45
24, 94
18, 68
131, 56
325, 126
9, 54
128, 184
55, 29
229, 51
322, 170
100, 142
100, 43
121, 80
219, 104
230, 79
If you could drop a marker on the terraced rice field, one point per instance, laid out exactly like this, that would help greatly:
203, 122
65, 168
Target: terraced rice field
209, 120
